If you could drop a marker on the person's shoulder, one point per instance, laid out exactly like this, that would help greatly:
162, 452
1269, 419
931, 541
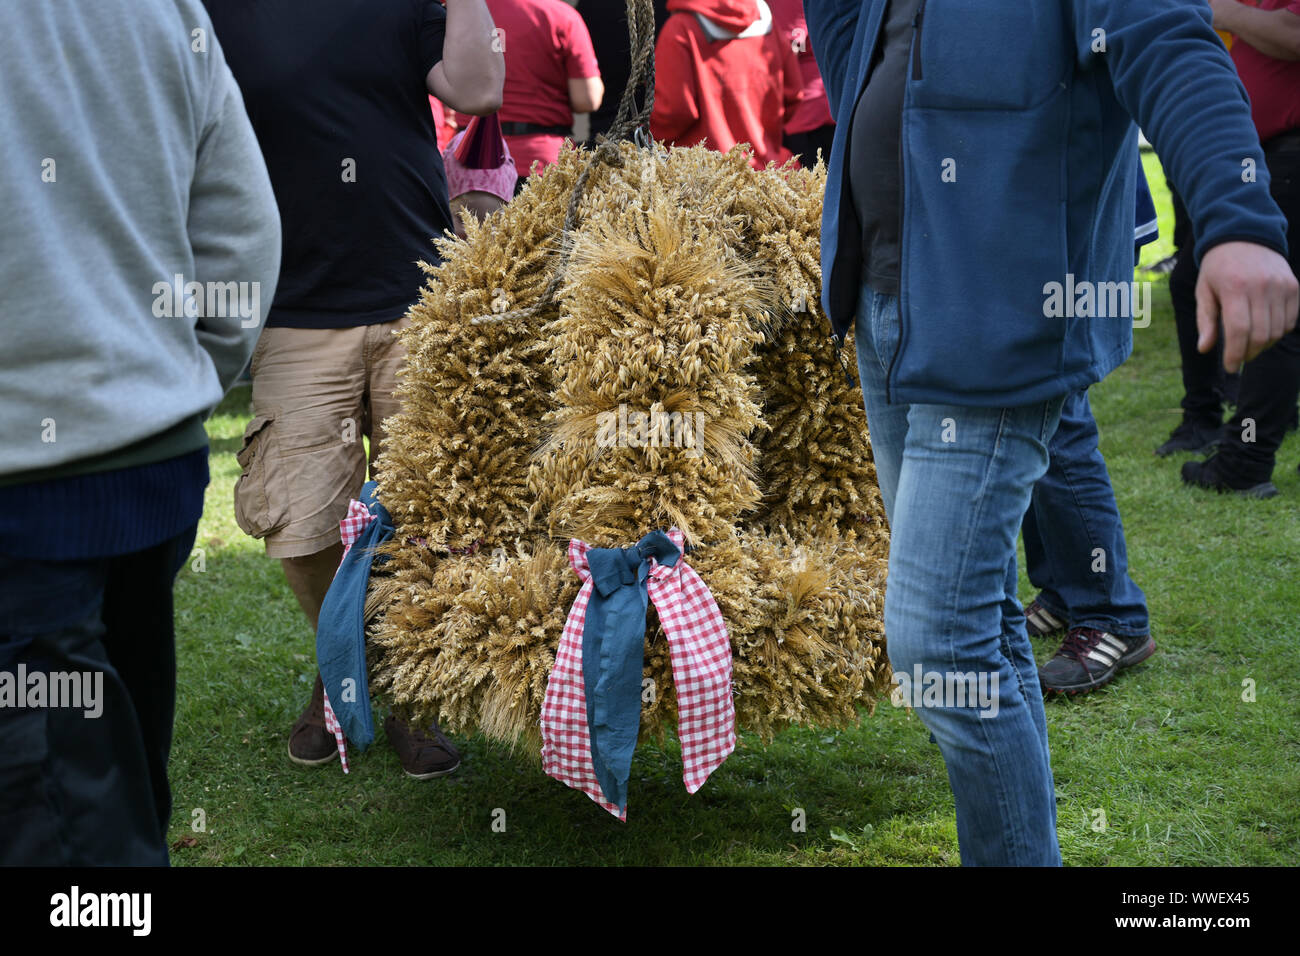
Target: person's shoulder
680, 23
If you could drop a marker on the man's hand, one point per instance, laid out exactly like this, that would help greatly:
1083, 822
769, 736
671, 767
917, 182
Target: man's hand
1254, 291
472, 71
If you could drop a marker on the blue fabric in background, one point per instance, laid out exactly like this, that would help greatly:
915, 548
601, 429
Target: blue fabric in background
613, 655
341, 632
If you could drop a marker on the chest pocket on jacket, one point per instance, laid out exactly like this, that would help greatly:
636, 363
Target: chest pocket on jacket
989, 54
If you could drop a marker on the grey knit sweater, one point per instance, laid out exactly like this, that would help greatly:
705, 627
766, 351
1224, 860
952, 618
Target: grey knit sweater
139, 237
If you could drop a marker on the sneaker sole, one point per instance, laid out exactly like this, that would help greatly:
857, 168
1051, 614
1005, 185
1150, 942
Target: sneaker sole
1259, 492
432, 774
1135, 656
305, 762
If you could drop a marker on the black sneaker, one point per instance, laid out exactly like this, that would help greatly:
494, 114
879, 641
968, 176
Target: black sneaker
1208, 474
1089, 658
1197, 437
1040, 622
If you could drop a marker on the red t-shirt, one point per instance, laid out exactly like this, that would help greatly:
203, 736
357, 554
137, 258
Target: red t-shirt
545, 44
1273, 84
444, 122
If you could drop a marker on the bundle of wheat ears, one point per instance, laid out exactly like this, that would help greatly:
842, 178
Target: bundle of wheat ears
681, 375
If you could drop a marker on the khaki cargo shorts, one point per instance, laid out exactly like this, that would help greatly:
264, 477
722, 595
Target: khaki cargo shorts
316, 392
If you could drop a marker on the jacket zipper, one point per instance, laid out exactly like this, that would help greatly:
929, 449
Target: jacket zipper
917, 22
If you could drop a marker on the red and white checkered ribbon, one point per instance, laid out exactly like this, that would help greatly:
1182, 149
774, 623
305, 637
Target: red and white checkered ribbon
350, 528
701, 661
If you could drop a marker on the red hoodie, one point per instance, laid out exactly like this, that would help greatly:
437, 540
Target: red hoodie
814, 111
711, 84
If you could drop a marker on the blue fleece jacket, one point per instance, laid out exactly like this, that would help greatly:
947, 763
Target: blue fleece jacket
1018, 140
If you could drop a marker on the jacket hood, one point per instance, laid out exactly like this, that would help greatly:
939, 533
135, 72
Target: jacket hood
732, 15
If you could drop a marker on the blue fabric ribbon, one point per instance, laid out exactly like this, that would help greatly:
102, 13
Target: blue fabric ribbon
341, 632
613, 654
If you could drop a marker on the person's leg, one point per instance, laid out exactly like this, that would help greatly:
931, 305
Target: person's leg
954, 509
1203, 385
1084, 552
309, 577
76, 784
311, 385
140, 640
384, 355
1269, 384
966, 480
1017, 649
1048, 612
1182, 222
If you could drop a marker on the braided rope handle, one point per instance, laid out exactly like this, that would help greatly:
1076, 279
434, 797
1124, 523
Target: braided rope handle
628, 122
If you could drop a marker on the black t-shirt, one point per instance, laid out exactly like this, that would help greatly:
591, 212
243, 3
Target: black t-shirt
607, 23
875, 156
336, 92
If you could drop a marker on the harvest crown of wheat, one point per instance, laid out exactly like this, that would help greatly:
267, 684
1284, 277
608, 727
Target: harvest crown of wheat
677, 374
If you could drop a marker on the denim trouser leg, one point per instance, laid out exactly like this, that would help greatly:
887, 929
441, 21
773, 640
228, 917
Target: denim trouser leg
1017, 649
956, 482
1075, 553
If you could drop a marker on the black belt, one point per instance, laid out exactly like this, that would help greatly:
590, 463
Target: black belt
530, 129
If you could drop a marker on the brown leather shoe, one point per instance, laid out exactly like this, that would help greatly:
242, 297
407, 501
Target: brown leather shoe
310, 744
423, 755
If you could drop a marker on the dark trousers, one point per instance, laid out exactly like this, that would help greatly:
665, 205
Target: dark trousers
77, 789
1075, 552
1270, 383
805, 145
1204, 380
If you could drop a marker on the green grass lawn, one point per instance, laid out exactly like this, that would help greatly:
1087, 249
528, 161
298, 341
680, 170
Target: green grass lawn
1184, 770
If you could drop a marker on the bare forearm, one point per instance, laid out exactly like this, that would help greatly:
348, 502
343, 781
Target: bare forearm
1274, 33
473, 69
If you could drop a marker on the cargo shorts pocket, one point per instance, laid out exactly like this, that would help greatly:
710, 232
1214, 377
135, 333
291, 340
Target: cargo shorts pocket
261, 506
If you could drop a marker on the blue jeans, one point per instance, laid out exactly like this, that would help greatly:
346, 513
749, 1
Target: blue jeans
956, 482
1074, 540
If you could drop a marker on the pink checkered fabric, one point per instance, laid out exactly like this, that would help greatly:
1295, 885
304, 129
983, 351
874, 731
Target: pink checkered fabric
332, 725
350, 528
353, 523
701, 659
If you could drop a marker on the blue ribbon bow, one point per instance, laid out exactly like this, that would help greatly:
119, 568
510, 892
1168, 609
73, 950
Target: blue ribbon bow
613, 654
341, 632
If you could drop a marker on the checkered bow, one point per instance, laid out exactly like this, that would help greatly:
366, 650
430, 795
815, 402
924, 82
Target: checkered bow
350, 528
701, 662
